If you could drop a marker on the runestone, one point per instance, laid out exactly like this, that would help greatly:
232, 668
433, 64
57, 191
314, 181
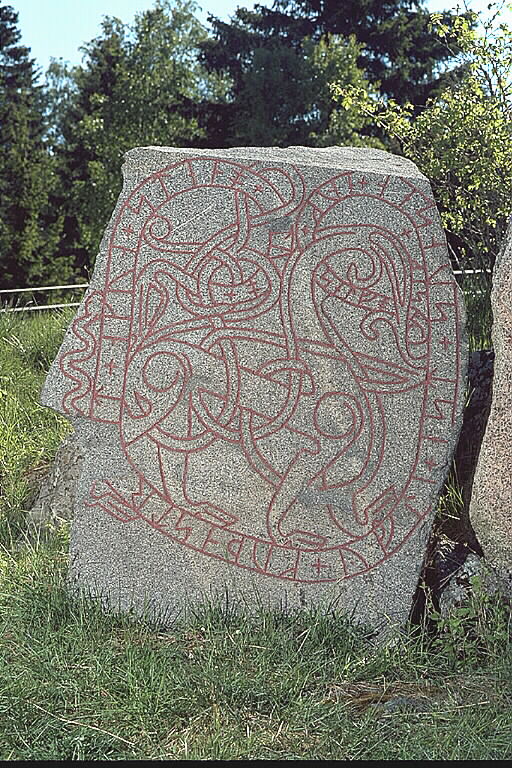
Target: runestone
266, 377
491, 501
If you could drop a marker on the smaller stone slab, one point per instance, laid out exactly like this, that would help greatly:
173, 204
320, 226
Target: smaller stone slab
266, 378
491, 500
53, 505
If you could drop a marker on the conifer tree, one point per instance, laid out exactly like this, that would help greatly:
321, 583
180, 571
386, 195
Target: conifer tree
400, 50
271, 56
25, 167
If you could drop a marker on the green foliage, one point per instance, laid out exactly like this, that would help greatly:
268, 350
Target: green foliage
463, 634
397, 49
279, 93
334, 57
462, 140
26, 169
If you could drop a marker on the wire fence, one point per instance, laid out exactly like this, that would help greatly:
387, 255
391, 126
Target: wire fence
41, 289
83, 286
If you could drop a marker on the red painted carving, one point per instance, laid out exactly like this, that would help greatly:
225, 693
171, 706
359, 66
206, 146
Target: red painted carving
266, 334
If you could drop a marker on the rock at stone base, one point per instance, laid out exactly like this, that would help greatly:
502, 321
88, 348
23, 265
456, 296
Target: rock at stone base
491, 501
54, 504
459, 588
266, 378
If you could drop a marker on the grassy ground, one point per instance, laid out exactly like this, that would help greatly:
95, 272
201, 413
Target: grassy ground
77, 684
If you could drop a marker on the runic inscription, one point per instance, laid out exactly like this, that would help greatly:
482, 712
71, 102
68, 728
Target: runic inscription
280, 359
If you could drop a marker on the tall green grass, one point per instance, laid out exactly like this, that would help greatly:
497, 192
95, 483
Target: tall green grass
29, 433
77, 684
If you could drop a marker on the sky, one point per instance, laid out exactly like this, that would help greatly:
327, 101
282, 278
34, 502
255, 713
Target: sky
57, 28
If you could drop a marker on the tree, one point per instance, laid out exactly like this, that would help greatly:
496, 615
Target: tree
399, 51
279, 92
282, 96
139, 85
267, 54
334, 58
26, 173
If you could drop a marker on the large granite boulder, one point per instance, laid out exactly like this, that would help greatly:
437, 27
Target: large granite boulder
491, 500
266, 377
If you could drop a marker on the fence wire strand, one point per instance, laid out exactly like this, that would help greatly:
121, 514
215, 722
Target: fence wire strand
456, 272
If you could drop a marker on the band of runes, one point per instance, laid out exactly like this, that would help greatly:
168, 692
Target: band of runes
252, 357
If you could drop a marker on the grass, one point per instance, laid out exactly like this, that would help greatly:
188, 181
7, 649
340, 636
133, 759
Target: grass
76, 683
29, 433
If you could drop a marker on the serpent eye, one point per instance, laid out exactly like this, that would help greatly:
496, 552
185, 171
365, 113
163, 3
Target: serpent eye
158, 233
